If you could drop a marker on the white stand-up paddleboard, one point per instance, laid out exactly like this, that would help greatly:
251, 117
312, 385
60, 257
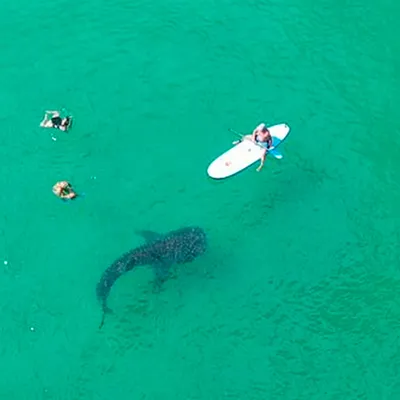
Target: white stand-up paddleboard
246, 153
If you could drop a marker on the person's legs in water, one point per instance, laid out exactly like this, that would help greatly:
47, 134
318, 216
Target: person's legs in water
45, 122
53, 113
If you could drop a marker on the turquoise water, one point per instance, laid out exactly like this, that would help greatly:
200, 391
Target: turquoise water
297, 295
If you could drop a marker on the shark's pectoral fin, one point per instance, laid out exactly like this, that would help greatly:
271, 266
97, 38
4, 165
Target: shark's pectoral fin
149, 236
161, 274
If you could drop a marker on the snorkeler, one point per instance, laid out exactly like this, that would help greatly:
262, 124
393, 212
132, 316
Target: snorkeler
52, 119
64, 190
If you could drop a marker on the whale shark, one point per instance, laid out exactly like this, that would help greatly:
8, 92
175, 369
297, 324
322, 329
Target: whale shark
160, 251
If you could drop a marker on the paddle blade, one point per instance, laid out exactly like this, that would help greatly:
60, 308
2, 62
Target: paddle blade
275, 153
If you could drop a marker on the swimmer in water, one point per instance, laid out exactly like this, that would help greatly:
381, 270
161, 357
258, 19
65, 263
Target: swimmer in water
52, 119
64, 190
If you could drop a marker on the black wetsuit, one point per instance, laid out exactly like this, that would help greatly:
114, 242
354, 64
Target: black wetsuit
56, 122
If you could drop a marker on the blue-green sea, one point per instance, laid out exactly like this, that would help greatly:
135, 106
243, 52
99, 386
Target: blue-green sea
298, 294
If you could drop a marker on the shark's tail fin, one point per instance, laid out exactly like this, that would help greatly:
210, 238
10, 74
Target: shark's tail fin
106, 310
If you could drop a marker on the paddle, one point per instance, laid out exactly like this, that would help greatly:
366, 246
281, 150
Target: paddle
236, 133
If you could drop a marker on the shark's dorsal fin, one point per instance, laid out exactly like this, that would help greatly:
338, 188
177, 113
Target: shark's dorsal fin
149, 236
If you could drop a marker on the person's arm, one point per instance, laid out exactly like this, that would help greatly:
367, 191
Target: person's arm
67, 194
262, 161
70, 195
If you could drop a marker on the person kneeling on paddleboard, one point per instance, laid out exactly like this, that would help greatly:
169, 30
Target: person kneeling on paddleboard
262, 136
